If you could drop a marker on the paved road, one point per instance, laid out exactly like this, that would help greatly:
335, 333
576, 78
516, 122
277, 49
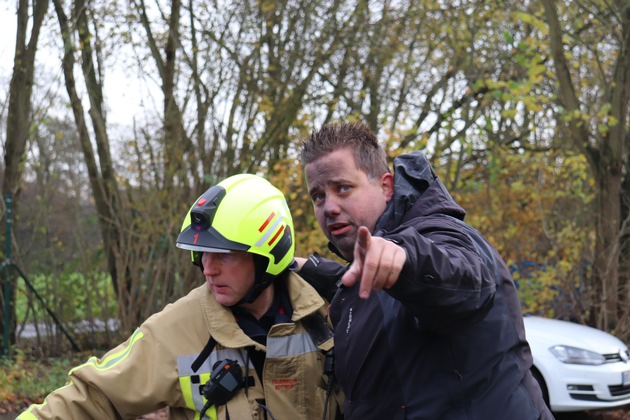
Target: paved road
29, 330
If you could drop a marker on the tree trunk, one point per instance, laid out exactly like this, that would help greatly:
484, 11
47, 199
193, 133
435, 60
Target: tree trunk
19, 116
102, 181
605, 154
111, 212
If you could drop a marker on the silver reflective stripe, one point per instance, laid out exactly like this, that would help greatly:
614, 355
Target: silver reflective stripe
270, 230
184, 370
290, 345
184, 362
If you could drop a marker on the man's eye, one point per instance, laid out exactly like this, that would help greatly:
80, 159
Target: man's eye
344, 188
317, 197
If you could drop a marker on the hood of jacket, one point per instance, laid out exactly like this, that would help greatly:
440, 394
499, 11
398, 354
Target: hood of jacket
416, 186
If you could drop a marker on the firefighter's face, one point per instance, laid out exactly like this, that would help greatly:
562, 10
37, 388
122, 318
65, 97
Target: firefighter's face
229, 276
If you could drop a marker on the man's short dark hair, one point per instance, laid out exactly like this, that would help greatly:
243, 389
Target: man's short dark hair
369, 156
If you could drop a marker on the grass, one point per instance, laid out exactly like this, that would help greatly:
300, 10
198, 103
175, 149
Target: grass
24, 381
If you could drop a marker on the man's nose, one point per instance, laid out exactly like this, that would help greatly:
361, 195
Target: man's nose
211, 264
331, 206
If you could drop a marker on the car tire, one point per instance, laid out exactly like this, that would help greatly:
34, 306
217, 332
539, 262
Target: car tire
542, 384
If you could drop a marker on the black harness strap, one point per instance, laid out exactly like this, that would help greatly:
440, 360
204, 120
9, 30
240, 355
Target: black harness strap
205, 353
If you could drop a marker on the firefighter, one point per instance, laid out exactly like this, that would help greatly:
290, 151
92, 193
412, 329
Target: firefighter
251, 342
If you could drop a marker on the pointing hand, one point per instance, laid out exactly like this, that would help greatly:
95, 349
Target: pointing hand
377, 263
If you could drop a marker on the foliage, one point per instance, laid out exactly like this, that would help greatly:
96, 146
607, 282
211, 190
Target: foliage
529, 206
231, 89
24, 380
84, 305
73, 297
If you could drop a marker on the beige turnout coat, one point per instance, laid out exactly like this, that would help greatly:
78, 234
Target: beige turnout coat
152, 369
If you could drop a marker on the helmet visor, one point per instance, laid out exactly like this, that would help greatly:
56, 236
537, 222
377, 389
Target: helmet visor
194, 238
203, 248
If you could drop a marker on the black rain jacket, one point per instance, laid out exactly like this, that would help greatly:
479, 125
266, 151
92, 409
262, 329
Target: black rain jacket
447, 341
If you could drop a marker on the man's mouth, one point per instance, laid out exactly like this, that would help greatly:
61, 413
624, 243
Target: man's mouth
219, 287
337, 229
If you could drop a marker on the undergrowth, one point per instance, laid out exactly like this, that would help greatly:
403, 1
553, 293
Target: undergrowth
25, 381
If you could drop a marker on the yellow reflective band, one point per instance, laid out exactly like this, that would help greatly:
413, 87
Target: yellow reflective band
186, 385
27, 415
113, 359
211, 414
193, 397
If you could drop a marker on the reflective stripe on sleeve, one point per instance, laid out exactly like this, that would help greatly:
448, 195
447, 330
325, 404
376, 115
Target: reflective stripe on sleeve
27, 415
113, 359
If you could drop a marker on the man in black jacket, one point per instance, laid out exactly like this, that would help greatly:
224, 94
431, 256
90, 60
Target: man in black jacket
427, 320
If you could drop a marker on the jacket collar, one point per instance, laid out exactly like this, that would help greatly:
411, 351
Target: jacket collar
223, 326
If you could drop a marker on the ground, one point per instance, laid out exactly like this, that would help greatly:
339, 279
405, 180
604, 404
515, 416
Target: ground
616, 414
613, 414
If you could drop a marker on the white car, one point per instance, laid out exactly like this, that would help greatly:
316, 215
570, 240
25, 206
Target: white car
578, 367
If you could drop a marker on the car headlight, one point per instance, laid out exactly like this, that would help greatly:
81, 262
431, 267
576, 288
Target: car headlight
577, 356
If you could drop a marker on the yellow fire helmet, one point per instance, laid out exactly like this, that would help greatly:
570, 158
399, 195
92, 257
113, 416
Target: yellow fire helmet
242, 213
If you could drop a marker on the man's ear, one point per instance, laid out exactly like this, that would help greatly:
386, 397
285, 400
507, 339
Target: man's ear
387, 183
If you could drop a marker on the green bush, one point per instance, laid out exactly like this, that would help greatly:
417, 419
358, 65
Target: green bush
73, 297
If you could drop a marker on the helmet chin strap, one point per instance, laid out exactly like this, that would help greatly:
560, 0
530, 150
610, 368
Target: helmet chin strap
261, 282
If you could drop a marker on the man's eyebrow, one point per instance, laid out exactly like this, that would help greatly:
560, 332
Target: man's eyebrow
333, 182
313, 189
317, 187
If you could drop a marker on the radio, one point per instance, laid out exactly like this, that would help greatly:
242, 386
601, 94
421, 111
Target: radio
225, 380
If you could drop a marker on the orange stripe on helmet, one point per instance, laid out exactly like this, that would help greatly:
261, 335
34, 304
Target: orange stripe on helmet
269, 219
276, 235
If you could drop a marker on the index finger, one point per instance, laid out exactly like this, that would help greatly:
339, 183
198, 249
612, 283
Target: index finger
354, 273
367, 272
363, 237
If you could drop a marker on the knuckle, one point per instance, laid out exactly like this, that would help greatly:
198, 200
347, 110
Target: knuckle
371, 265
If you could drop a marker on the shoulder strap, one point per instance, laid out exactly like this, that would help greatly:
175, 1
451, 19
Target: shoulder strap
205, 353
316, 326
